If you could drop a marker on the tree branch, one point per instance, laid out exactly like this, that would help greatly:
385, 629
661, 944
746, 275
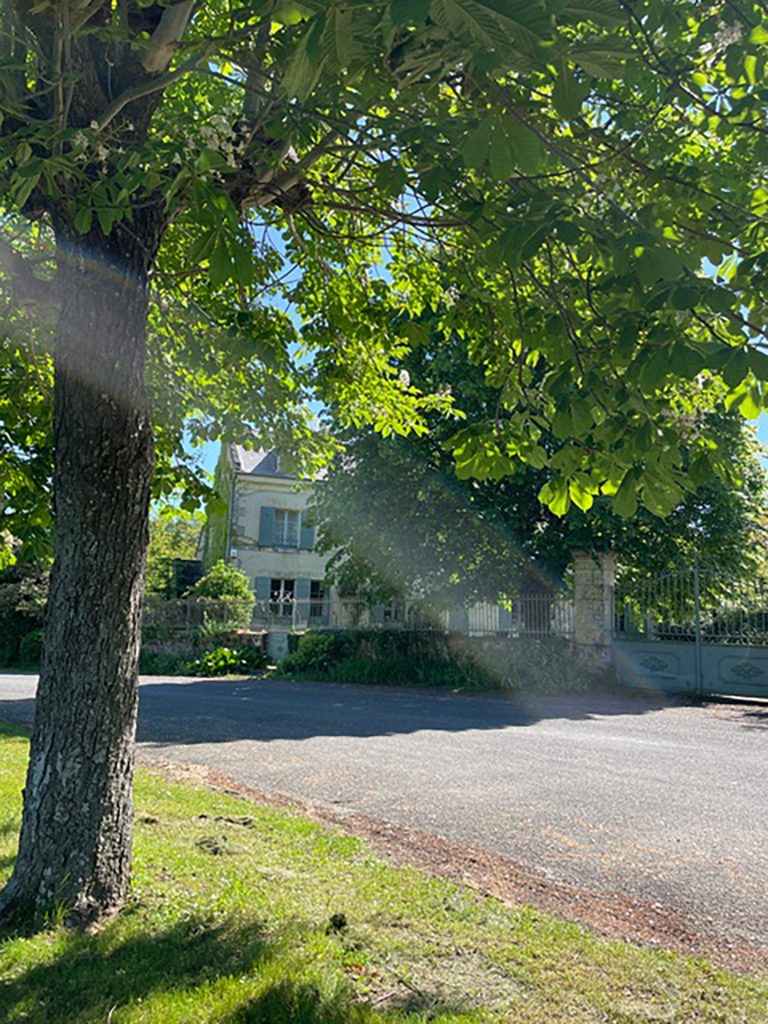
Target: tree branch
28, 289
167, 36
137, 92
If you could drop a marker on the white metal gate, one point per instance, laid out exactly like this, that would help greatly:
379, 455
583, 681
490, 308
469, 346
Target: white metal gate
695, 631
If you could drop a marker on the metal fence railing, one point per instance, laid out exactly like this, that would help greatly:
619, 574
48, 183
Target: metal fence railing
532, 615
695, 605
191, 615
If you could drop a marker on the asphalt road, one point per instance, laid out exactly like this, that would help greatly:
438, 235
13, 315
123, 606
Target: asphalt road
665, 804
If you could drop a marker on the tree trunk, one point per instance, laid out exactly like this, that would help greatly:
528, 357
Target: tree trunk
75, 843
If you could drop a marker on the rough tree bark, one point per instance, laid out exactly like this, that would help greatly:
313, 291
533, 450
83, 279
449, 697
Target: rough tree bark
102, 68
75, 839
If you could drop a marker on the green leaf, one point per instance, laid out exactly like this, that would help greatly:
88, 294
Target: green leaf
758, 363
511, 243
476, 146
242, 263
106, 217
603, 58
562, 424
668, 263
685, 296
624, 501
303, 71
494, 24
83, 220
581, 415
220, 264
660, 495
554, 494
580, 493
752, 404
735, 368
288, 12
391, 177
526, 145
409, 12
601, 12
568, 94
26, 188
501, 159
750, 68
535, 456
416, 333
534, 241
202, 246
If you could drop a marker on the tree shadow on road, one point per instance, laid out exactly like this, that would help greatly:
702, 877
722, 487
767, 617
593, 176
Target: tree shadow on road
225, 710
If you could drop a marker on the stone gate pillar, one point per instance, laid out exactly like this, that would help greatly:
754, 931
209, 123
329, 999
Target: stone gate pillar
593, 581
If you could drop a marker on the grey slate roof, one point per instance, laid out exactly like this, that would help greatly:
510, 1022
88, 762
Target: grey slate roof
256, 463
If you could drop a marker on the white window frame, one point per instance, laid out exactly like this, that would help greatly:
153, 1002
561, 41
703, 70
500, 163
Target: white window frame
287, 528
282, 598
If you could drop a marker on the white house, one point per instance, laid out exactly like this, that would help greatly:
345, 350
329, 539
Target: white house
260, 525
263, 529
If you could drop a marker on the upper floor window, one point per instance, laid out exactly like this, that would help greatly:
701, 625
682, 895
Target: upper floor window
286, 532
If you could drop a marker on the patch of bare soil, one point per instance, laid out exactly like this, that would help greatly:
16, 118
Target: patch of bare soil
607, 913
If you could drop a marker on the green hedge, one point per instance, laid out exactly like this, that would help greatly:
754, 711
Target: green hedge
432, 658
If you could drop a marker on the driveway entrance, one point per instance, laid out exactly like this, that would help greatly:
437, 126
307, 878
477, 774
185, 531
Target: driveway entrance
695, 632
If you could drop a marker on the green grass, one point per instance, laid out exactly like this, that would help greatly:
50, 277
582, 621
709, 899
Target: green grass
229, 922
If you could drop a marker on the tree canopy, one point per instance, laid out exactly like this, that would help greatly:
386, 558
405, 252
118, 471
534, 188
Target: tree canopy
576, 188
396, 519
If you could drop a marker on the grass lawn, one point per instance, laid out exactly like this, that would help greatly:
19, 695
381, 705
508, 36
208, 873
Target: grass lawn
241, 913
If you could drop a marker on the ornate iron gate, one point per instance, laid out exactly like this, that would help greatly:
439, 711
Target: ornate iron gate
694, 631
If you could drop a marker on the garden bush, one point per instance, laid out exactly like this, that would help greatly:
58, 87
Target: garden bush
433, 658
231, 597
163, 663
31, 648
223, 661
23, 592
217, 661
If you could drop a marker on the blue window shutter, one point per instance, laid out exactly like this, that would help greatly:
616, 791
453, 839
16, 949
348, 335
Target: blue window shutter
505, 618
307, 540
377, 613
262, 588
266, 526
301, 593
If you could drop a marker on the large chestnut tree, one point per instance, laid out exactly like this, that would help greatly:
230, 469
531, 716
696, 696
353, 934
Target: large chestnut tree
587, 175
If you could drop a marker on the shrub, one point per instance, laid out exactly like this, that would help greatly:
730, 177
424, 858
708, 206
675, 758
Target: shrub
23, 592
433, 658
222, 661
223, 581
222, 620
161, 663
31, 648
227, 601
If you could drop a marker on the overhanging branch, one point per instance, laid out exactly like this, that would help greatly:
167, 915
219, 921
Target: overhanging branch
28, 289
